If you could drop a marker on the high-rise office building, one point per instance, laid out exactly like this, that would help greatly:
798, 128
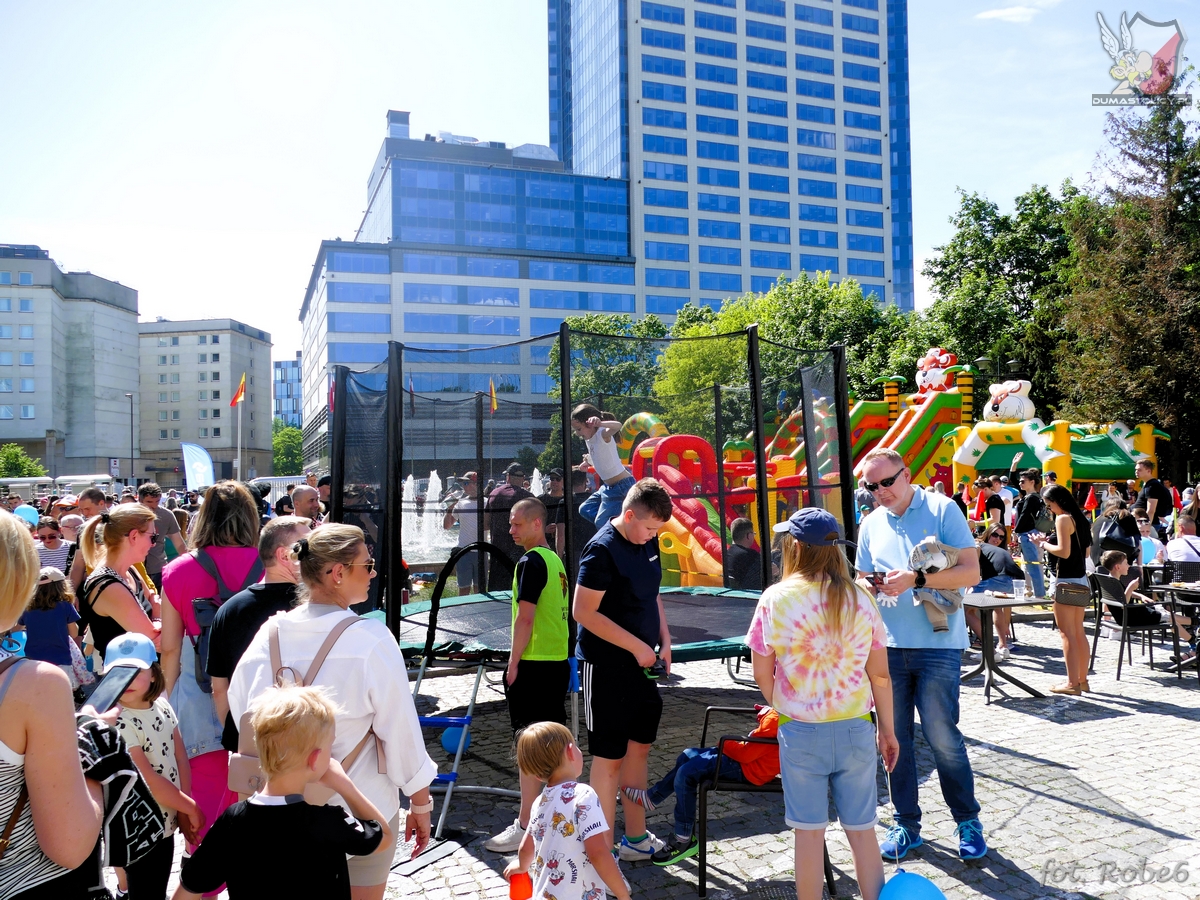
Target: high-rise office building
68, 364
288, 391
759, 137
190, 371
464, 244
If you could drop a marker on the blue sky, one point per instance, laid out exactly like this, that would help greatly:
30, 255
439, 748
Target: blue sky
200, 152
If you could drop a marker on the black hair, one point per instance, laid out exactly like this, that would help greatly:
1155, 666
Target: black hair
1065, 500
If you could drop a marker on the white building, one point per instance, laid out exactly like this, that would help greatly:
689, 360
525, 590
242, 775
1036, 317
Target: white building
190, 372
68, 358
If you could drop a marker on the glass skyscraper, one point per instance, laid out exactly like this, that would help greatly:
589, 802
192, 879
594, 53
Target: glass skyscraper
760, 138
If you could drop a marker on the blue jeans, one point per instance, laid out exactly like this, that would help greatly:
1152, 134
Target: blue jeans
694, 766
1001, 583
605, 503
926, 680
1032, 554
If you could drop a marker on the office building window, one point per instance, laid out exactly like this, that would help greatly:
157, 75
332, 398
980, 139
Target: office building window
6, 385
162, 378
668, 278
6, 412
664, 171
26, 358
663, 65
864, 24
817, 40
770, 259
863, 4
6, 332
216, 413
818, 65
662, 305
871, 268
762, 131
860, 48
216, 339
863, 218
819, 89
373, 263
175, 433
761, 156
766, 107
729, 178
216, 395
767, 81
663, 118
202, 432
5, 277
719, 74
860, 193
717, 125
661, 197
664, 40
661, 143
175, 415
858, 71
174, 396
201, 340
812, 263
6, 358
715, 228
768, 31
665, 224
864, 243
202, 377
811, 187
774, 209
367, 323
25, 332
719, 256
860, 169
27, 411
715, 22
353, 292
810, 162
162, 360
722, 203
660, 12
203, 357
25, 305
813, 238
174, 341
24, 278
27, 386
203, 414
869, 146
162, 396
770, 234
162, 415
806, 112
162, 434
814, 14
862, 96
865, 121
766, 56
216, 357
716, 99
666, 251
721, 281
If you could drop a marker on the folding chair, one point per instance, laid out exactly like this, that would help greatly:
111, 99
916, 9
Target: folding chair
774, 786
1111, 595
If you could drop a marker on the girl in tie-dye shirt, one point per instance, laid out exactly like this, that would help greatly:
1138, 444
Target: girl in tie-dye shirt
820, 658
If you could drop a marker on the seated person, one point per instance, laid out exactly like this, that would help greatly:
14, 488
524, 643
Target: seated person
743, 562
744, 763
997, 569
1153, 550
1115, 565
1185, 546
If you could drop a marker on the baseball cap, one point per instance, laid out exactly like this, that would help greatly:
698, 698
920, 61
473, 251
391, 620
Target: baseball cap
813, 525
515, 468
1004, 479
50, 574
556, 474
470, 476
130, 649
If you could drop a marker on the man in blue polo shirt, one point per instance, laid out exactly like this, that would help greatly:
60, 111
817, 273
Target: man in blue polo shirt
924, 664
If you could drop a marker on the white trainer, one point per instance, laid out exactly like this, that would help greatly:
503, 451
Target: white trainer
642, 850
508, 840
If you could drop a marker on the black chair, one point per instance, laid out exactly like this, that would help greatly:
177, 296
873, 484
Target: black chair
775, 786
1111, 595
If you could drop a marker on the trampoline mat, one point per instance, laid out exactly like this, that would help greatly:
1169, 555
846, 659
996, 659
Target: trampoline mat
706, 623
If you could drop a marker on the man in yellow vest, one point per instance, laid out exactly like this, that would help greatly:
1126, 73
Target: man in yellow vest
538, 675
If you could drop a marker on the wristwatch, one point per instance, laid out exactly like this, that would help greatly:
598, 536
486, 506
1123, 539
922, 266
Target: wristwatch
920, 582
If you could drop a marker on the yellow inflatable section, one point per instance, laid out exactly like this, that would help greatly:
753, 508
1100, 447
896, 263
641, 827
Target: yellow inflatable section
685, 562
642, 423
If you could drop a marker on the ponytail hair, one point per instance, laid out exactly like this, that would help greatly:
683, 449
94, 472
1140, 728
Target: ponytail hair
585, 411
328, 546
104, 533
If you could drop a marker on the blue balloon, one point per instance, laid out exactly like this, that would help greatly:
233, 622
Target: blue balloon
451, 737
910, 886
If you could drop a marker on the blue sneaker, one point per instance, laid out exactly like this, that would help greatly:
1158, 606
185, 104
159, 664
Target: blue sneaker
971, 844
897, 841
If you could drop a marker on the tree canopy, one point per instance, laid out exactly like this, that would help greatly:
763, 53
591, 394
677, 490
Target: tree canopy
16, 463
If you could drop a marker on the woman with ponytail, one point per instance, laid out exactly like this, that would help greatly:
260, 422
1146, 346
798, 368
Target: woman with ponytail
112, 600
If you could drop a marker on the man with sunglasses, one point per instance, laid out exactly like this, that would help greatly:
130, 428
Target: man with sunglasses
150, 496
924, 664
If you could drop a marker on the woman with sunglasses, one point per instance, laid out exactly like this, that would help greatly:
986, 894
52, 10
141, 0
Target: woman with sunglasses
364, 675
52, 549
226, 529
1067, 550
112, 600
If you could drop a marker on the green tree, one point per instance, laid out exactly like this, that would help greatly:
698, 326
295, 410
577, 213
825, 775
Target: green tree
1134, 289
613, 364
286, 449
16, 463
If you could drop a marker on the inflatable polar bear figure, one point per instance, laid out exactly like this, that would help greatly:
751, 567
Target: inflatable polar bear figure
1009, 402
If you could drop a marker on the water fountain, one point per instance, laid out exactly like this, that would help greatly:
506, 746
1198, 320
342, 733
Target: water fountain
537, 485
424, 540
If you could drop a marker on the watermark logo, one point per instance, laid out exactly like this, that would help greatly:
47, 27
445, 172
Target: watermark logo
1145, 60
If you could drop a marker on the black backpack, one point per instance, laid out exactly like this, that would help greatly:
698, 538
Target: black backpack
205, 610
1112, 537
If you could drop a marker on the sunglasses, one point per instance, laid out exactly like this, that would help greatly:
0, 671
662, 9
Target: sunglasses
48, 535
153, 537
370, 564
873, 486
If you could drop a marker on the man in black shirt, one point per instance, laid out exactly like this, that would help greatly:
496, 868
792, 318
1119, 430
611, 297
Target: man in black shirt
1157, 499
553, 500
743, 564
621, 621
499, 504
240, 617
583, 529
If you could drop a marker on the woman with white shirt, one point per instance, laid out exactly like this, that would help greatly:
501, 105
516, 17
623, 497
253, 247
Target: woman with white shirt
366, 677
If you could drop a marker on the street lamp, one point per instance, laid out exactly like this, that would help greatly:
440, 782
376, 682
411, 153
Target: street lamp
132, 479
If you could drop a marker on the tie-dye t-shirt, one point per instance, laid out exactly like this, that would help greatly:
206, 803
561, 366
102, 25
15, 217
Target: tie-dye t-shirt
820, 675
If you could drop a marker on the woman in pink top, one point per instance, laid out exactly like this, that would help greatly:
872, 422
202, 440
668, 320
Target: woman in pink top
226, 527
820, 658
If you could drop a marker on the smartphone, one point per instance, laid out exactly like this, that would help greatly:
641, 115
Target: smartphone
876, 579
114, 683
656, 671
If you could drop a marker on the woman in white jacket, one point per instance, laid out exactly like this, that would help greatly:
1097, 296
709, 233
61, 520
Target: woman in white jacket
366, 677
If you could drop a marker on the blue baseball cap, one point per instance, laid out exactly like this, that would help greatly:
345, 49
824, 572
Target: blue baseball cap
130, 649
814, 526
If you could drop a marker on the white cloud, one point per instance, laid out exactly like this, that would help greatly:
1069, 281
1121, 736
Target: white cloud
1016, 14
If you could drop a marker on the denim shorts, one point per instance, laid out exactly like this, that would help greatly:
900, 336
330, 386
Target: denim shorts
817, 756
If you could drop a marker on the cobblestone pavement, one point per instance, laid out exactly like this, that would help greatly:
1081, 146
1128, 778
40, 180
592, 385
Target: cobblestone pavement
1077, 792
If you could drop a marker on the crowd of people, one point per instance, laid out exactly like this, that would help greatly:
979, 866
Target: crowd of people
274, 729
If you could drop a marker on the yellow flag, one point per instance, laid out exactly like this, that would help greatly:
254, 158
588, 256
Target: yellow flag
240, 393
492, 392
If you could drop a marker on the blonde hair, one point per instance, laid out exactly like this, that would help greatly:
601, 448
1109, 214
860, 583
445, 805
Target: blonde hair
827, 565
20, 568
329, 545
288, 722
540, 748
104, 534
227, 518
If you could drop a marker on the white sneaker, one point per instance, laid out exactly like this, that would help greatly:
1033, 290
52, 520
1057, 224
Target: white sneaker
642, 850
508, 840
1002, 654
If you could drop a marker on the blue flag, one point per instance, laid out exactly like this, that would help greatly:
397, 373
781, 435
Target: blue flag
199, 467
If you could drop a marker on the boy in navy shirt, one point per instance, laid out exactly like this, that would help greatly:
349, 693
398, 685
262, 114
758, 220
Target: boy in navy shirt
621, 622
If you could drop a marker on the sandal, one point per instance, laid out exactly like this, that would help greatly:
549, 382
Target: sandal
1066, 688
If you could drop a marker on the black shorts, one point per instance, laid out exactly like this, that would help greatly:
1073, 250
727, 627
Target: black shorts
539, 692
620, 705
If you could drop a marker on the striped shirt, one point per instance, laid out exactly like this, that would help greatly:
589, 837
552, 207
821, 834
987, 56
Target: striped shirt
56, 557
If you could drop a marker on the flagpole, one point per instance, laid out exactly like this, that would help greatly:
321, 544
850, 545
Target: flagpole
239, 443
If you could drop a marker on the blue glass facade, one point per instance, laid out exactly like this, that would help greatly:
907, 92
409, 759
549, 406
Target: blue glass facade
287, 390
901, 150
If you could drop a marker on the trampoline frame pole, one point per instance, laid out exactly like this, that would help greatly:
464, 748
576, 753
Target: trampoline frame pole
480, 568
719, 437
337, 446
760, 450
393, 515
810, 451
841, 404
564, 379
